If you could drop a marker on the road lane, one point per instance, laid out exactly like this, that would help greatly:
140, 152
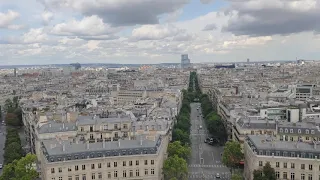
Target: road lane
205, 161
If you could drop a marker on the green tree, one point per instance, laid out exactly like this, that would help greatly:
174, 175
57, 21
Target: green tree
266, 173
236, 177
180, 135
176, 148
12, 119
21, 169
258, 175
175, 167
232, 154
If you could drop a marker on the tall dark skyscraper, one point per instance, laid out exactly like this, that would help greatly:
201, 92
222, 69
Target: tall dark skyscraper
185, 61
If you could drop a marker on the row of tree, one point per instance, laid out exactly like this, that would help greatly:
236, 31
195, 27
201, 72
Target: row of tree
13, 149
176, 166
14, 112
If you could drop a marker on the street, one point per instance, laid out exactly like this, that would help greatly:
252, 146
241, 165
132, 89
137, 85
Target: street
206, 160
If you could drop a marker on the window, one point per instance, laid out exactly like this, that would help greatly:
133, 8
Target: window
84, 177
286, 130
310, 166
124, 173
145, 162
60, 178
108, 164
81, 129
125, 126
93, 176
99, 175
309, 176
281, 130
137, 162
69, 177
302, 166
91, 136
130, 163
137, 172
105, 127
291, 138
285, 175
299, 131
291, 130
115, 164
302, 177
307, 138
60, 169
91, 128
277, 174
99, 165
307, 131
152, 162
83, 167
52, 170
131, 173
284, 165
312, 131
152, 171
124, 163
69, 169
115, 126
115, 174
292, 165
277, 164
292, 176
53, 178
77, 177
252, 132
146, 172
92, 166
109, 175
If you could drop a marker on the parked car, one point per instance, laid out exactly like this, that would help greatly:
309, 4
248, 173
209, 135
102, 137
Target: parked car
0, 166
218, 176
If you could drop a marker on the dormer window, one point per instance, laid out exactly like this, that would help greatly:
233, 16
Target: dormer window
286, 130
307, 131
299, 131
291, 130
281, 130
312, 131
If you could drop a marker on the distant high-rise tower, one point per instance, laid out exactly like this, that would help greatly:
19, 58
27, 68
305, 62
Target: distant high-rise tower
15, 72
185, 61
248, 60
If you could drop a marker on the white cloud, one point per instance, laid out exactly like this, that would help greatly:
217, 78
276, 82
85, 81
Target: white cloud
88, 26
6, 20
156, 32
47, 17
34, 36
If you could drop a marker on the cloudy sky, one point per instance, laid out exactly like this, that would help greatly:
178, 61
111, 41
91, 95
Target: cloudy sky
154, 31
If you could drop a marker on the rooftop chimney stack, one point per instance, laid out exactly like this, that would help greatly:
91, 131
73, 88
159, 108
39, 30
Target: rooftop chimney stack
88, 146
63, 147
140, 140
104, 143
119, 142
62, 125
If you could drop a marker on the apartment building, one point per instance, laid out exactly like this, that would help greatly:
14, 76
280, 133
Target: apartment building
291, 160
140, 159
299, 131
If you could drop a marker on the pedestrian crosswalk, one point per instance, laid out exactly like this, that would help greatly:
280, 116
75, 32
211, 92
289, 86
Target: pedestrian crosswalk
203, 175
207, 165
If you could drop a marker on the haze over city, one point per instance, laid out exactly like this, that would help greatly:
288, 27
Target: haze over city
152, 31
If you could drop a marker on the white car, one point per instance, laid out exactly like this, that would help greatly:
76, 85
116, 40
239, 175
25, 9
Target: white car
218, 176
0, 166
200, 127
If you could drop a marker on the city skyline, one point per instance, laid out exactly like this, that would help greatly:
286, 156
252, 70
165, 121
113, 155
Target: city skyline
151, 31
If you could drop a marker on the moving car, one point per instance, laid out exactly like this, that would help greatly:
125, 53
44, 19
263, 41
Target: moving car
200, 127
218, 175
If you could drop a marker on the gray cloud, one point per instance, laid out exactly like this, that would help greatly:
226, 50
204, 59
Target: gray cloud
206, 1
259, 19
120, 13
210, 27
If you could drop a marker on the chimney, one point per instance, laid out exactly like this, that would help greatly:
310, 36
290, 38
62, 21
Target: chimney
140, 140
62, 125
104, 143
119, 142
88, 146
63, 147
314, 144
